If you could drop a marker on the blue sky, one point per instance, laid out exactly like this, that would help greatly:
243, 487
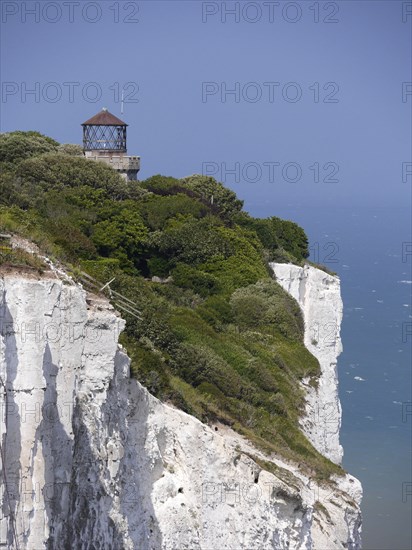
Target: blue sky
169, 50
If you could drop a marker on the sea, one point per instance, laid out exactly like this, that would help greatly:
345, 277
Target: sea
370, 248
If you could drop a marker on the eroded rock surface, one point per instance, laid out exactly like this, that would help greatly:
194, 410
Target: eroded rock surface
319, 297
93, 461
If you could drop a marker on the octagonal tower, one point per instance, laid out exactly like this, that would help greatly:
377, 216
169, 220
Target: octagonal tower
104, 140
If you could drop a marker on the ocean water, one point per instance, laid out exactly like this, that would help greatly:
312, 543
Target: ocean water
371, 250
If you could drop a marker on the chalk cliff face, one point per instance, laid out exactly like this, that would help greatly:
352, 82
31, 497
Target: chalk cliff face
318, 295
90, 460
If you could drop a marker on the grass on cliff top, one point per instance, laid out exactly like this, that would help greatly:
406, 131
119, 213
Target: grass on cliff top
322, 268
218, 338
17, 258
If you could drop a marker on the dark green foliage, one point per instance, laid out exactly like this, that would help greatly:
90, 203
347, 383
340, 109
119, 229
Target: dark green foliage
157, 210
291, 237
219, 338
210, 391
148, 366
17, 146
284, 240
9, 192
57, 170
243, 262
200, 282
212, 192
196, 365
158, 266
217, 311
162, 185
103, 269
266, 305
188, 240
216, 198
121, 236
72, 240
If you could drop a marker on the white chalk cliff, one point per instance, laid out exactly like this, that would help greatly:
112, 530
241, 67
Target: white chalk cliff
319, 297
91, 461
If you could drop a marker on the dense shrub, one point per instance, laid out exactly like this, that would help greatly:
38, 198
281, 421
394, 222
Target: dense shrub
122, 235
157, 210
192, 241
243, 262
162, 185
291, 237
148, 366
10, 193
284, 240
16, 146
57, 170
71, 149
197, 364
266, 305
217, 311
213, 192
71, 240
219, 338
103, 269
158, 266
200, 282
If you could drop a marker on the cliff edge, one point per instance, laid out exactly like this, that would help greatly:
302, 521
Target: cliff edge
91, 460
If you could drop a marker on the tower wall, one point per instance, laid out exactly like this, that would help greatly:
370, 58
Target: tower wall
127, 166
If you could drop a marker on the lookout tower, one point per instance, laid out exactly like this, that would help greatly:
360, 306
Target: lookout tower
104, 140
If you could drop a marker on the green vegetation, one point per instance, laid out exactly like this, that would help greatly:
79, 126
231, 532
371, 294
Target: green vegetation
18, 258
321, 509
322, 267
218, 337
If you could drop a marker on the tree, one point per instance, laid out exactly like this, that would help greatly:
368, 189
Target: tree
223, 199
58, 170
122, 236
17, 146
71, 149
278, 236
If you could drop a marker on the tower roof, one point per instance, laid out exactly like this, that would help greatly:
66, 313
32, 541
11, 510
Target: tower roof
104, 118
